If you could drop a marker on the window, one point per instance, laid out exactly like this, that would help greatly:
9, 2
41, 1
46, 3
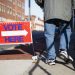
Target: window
0, 19
23, 5
10, 0
8, 10
19, 3
14, 1
0, 7
14, 13
4, 9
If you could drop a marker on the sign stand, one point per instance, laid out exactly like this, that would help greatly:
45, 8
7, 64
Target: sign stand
34, 55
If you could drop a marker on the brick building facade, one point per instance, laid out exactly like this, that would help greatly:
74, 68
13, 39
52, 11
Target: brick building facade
12, 10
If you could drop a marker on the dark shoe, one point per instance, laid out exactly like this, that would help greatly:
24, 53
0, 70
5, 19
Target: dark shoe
50, 62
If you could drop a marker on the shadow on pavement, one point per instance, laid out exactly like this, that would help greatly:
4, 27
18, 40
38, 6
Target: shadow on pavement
37, 65
66, 64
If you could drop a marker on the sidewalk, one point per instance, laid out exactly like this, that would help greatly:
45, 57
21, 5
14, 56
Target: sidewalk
40, 68
26, 67
14, 67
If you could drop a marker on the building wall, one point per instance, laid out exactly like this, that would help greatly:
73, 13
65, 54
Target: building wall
12, 10
39, 25
32, 20
36, 23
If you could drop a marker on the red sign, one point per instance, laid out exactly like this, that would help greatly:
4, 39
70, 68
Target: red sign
15, 33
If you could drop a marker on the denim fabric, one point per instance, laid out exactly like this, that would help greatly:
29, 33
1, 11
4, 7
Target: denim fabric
49, 33
65, 39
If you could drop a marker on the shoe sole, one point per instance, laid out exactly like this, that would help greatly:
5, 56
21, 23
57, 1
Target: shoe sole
50, 63
63, 57
67, 60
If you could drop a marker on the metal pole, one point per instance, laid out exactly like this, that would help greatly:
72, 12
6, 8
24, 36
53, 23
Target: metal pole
73, 19
29, 10
73, 8
29, 20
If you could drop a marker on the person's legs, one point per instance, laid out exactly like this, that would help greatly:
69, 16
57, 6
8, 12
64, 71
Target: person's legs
49, 36
64, 42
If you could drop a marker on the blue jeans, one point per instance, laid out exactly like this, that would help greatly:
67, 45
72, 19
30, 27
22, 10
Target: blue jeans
49, 36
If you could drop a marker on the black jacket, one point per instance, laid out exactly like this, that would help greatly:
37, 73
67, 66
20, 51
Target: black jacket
40, 3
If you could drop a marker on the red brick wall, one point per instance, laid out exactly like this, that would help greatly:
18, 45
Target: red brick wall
13, 6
